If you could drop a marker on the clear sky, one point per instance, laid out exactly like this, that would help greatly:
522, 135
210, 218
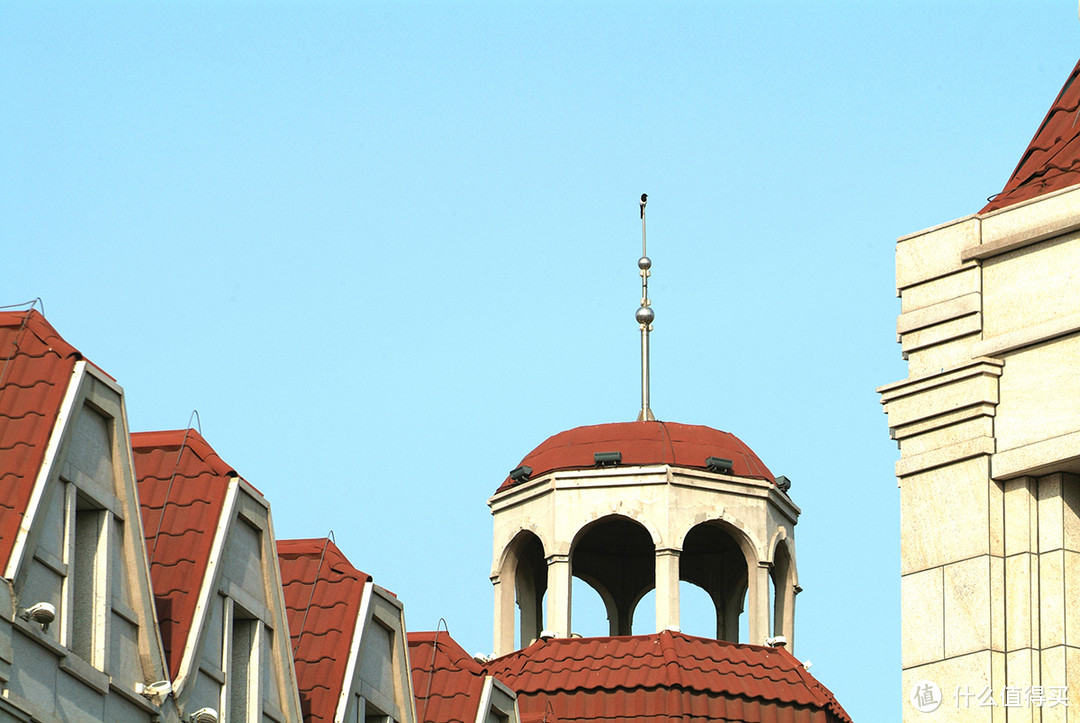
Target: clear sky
386, 249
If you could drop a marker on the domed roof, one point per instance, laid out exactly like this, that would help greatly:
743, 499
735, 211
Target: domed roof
643, 443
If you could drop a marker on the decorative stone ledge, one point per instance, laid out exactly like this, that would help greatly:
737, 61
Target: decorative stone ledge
1057, 454
916, 399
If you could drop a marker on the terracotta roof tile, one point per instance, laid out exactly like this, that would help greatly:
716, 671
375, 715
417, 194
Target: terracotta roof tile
663, 676
323, 592
447, 682
35, 370
642, 443
182, 488
1052, 159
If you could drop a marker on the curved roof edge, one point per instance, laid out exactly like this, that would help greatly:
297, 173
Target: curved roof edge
642, 443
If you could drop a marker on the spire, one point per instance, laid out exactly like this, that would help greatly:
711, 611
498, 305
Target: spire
644, 316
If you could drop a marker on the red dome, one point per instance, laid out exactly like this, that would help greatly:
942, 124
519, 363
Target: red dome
643, 443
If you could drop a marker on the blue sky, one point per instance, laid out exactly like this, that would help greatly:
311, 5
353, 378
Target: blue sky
386, 249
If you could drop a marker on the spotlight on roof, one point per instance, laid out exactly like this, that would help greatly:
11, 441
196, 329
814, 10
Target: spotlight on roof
204, 715
719, 464
154, 691
607, 459
783, 483
42, 613
777, 642
521, 474
547, 634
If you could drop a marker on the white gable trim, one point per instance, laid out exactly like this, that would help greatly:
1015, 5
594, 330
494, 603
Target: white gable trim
281, 620
206, 588
362, 618
485, 700
51, 451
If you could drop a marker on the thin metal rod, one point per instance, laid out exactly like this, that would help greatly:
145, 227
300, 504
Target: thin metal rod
644, 318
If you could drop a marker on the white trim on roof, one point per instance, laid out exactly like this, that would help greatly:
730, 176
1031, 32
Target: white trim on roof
484, 705
221, 534
354, 651
52, 448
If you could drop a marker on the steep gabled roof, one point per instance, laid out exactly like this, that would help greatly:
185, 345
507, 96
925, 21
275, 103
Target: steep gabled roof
643, 443
1052, 159
447, 682
323, 593
35, 369
182, 489
661, 677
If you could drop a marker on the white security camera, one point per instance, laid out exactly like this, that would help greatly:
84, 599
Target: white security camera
204, 715
42, 613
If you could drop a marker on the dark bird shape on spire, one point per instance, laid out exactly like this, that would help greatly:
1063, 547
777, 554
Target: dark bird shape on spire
644, 199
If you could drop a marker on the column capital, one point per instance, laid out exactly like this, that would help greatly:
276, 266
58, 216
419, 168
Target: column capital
670, 551
556, 558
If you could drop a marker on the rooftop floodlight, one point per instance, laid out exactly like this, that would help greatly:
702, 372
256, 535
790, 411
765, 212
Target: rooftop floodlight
719, 464
42, 613
154, 691
776, 642
607, 459
783, 483
520, 474
205, 715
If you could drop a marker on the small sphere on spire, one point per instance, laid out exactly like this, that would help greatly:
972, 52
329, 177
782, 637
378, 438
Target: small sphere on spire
644, 262
645, 315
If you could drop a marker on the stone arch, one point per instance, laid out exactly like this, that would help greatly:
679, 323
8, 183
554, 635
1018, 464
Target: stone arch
508, 544
721, 559
748, 542
615, 555
522, 577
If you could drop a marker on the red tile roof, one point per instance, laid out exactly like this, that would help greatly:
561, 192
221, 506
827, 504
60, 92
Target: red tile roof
447, 682
35, 370
322, 599
1052, 159
642, 443
662, 677
182, 488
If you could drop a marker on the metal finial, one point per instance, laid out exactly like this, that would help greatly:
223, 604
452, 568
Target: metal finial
644, 317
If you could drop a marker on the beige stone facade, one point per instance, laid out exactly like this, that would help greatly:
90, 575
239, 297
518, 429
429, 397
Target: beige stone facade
989, 438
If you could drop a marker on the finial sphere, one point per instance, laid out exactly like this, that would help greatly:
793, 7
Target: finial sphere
645, 315
644, 263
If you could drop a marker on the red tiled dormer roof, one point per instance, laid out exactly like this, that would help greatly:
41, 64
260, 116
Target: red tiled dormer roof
182, 488
447, 682
1052, 159
35, 370
662, 677
323, 592
643, 443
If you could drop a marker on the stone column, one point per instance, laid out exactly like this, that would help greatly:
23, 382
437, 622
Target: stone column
1058, 579
504, 614
758, 603
667, 588
558, 594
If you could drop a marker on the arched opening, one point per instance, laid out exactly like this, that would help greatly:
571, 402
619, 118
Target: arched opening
697, 613
590, 610
782, 577
526, 569
644, 614
615, 556
713, 560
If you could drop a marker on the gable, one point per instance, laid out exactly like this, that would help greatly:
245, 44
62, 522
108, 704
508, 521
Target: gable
381, 684
217, 586
324, 594
78, 548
